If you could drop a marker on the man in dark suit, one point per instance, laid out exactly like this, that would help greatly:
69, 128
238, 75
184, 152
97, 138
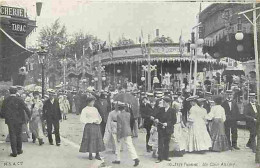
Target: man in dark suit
146, 112
232, 115
250, 111
166, 118
52, 115
13, 110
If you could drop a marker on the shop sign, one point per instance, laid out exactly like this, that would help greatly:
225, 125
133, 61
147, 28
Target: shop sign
11, 11
18, 27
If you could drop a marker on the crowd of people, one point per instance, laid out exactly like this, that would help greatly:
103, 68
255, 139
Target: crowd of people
175, 123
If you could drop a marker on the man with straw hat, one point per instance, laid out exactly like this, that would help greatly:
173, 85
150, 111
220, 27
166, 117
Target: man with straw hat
250, 112
232, 114
165, 118
52, 115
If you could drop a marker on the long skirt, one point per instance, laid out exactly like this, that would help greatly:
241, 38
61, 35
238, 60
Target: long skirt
218, 136
198, 138
92, 140
35, 126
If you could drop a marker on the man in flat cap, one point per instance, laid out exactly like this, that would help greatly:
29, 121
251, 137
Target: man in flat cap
232, 115
165, 118
250, 112
13, 110
124, 133
52, 115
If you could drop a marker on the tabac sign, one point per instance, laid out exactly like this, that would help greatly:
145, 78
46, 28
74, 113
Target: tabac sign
18, 27
11, 11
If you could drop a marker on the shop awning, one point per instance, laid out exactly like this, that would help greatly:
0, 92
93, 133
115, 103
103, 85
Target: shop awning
11, 49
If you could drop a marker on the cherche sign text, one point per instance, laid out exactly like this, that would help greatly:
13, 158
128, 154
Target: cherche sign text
11, 11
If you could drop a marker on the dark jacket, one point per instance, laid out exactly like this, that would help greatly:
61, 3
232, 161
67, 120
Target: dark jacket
233, 113
146, 112
14, 110
51, 111
250, 115
168, 117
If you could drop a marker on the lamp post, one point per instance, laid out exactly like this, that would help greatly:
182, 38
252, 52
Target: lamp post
197, 41
239, 36
42, 53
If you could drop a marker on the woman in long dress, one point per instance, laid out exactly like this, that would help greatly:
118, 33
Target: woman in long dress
92, 140
217, 130
198, 139
35, 123
64, 106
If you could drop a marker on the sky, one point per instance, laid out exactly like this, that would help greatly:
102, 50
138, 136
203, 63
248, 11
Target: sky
119, 18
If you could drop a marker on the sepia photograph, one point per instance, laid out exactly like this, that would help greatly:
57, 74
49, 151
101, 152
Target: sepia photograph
121, 83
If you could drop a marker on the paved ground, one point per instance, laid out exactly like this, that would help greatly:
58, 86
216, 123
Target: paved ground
67, 155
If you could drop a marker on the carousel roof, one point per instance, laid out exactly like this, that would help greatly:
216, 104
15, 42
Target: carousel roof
160, 52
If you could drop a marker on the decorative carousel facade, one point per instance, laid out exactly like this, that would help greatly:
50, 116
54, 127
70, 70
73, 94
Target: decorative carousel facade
170, 64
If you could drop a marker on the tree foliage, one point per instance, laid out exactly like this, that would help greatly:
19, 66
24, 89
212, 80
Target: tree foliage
53, 37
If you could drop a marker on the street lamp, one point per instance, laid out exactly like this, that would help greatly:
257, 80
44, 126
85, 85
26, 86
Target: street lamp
42, 53
38, 7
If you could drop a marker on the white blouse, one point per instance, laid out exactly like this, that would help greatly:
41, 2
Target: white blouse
217, 111
90, 115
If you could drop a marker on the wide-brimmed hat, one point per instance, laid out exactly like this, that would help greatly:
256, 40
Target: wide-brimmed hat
201, 99
51, 91
90, 89
208, 94
192, 98
120, 104
149, 94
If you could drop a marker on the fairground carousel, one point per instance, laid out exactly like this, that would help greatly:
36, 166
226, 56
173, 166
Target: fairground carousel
170, 64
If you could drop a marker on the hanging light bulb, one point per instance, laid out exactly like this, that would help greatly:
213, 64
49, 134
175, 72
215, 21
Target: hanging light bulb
239, 35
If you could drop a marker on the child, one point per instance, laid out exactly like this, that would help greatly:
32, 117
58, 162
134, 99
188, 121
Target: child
153, 141
178, 139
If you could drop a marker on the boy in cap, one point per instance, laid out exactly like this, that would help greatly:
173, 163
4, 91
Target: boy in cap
13, 110
124, 134
250, 112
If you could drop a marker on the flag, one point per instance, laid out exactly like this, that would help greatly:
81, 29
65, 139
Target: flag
110, 46
181, 44
75, 57
143, 45
90, 46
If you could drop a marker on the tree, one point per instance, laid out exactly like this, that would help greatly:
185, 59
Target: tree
80, 41
51, 37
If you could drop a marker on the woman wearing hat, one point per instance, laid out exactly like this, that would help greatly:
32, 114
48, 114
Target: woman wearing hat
36, 123
217, 130
92, 141
198, 139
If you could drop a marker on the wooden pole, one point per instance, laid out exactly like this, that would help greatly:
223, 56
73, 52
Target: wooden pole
149, 66
257, 156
